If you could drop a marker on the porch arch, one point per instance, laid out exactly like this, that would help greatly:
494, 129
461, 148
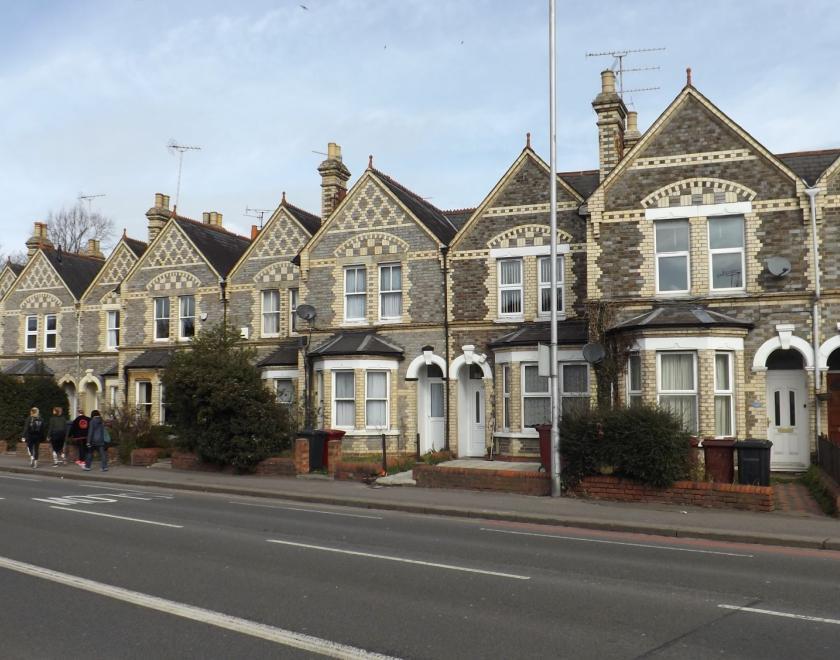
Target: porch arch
827, 348
428, 357
774, 343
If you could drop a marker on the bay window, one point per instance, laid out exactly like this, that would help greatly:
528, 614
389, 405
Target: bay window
510, 287
284, 389
677, 386
506, 397
344, 399
634, 379
724, 391
536, 398
672, 256
574, 388
144, 397
376, 400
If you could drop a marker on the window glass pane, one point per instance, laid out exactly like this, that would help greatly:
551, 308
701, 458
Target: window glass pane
344, 385
345, 413
511, 271
792, 401
545, 270
375, 411
356, 307
672, 236
726, 232
722, 372
727, 271
436, 400
511, 301
534, 383
506, 379
635, 369
673, 273
536, 410
684, 408
377, 385
574, 404
777, 408
391, 305
51, 322
285, 390
32, 323
677, 371
723, 415
574, 378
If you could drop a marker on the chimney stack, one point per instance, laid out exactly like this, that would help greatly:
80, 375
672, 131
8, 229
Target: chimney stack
158, 215
212, 218
334, 176
632, 134
254, 232
38, 239
612, 113
93, 249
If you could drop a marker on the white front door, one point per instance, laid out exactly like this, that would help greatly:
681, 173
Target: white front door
430, 404
475, 423
788, 420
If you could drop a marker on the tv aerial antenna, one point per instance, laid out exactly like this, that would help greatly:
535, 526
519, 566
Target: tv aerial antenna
618, 66
174, 147
89, 199
257, 213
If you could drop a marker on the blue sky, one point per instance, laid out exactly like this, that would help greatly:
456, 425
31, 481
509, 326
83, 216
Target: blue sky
440, 92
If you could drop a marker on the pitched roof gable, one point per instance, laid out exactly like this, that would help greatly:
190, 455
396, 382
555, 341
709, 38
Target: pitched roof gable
132, 245
75, 270
309, 221
137, 247
221, 248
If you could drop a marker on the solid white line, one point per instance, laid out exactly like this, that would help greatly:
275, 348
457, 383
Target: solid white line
6, 476
400, 559
786, 615
634, 545
218, 619
108, 515
292, 508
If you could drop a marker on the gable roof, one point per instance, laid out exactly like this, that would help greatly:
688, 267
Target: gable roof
220, 247
17, 269
810, 165
137, 247
132, 245
75, 270
459, 217
310, 222
584, 182
432, 217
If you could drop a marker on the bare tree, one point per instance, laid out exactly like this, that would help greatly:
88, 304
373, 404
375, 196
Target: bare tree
16, 257
72, 228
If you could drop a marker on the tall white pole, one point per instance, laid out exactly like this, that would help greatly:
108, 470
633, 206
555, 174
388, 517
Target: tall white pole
553, 381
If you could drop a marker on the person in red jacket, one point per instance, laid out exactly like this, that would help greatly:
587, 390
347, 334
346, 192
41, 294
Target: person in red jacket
78, 435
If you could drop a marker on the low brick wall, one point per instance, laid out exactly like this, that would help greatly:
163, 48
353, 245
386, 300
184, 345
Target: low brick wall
697, 493
831, 486
302, 456
182, 460
507, 481
144, 457
277, 466
356, 471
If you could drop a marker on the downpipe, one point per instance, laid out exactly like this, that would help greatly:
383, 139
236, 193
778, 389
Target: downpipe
815, 317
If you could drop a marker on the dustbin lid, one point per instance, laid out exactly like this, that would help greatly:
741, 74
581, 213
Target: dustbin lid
718, 442
753, 443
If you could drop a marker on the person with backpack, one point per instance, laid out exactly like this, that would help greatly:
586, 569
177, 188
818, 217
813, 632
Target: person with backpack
57, 434
78, 434
97, 439
33, 433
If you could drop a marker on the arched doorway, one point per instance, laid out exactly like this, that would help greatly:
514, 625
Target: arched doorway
430, 408
472, 413
72, 403
91, 397
833, 385
787, 410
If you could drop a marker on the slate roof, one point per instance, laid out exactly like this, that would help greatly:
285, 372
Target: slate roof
75, 270
17, 269
459, 217
681, 316
154, 358
810, 164
285, 354
584, 182
110, 371
28, 367
310, 221
572, 332
431, 216
137, 247
357, 343
221, 247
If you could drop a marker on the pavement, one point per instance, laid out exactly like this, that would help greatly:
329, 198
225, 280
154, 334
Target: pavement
777, 528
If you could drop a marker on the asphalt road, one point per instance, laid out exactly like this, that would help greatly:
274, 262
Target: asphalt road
102, 571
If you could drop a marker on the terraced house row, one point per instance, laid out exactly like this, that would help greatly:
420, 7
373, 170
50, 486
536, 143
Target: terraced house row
714, 263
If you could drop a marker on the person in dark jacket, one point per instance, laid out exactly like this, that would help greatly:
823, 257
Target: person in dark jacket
34, 431
78, 434
57, 434
96, 441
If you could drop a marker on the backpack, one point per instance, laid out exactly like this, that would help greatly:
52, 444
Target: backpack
36, 425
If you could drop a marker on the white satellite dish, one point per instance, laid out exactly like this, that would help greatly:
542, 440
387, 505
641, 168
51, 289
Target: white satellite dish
778, 266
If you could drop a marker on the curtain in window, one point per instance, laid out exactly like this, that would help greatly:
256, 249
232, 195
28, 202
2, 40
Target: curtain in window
271, 312
684, 408
355, 286
345, 409
534, 383
377, 394
511, 272
574, 378
536, 409
285, 391
723, 415
677, 372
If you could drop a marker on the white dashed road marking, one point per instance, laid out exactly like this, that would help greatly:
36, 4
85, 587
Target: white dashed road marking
786, 615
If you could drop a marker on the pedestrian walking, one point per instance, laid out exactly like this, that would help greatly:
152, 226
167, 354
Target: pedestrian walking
57, 433
96, 441
33, 433
78, 435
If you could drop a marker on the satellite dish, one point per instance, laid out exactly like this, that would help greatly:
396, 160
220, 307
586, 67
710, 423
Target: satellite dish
594, 353
306, 312
778, 266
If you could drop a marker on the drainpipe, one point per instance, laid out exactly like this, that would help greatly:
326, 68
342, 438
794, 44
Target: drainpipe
815, 314
78, 350
444, 251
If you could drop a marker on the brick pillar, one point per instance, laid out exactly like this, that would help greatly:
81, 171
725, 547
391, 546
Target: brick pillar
302, 455
334, 454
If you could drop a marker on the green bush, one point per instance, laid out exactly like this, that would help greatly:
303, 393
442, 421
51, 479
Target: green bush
641, 443
19, 394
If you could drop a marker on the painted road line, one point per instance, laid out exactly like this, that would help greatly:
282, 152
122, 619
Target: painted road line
292, 508
108, 515
786, 615
243, 626
450, 567
127, 490
634, 545
6, 476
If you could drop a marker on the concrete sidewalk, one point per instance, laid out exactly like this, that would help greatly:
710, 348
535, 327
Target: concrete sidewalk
776, 528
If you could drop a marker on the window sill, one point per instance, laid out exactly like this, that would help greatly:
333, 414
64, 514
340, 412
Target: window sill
510, 319
165, 340
528, 433
391, 321
369, 432
355, 323
561, 316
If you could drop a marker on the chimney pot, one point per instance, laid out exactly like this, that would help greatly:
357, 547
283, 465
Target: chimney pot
158, 200
333, 151
166, 201
205, 217
608, 81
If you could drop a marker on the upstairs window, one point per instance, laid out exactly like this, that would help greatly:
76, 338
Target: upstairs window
50, 332
672, 256
161, 318
270, 313
545, 285
355, 293
390, 291
186, 325
293, 305
113, 329
510, 287
726, 253
31, 334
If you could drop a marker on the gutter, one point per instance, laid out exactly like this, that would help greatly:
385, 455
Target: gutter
815, 314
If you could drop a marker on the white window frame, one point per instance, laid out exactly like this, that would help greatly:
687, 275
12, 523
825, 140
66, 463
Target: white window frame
728, 393
50, 333
30, 333
387, 399
294, 298
112, 329
561, 287
382, 291
634, 395
736, 250
679, 253
266, 313
335, 399
695, 392
506, 388
166, 318
362, 294
145, 408
182, 318
546, 394
511, 287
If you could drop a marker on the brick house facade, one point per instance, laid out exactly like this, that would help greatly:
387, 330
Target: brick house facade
692, 240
